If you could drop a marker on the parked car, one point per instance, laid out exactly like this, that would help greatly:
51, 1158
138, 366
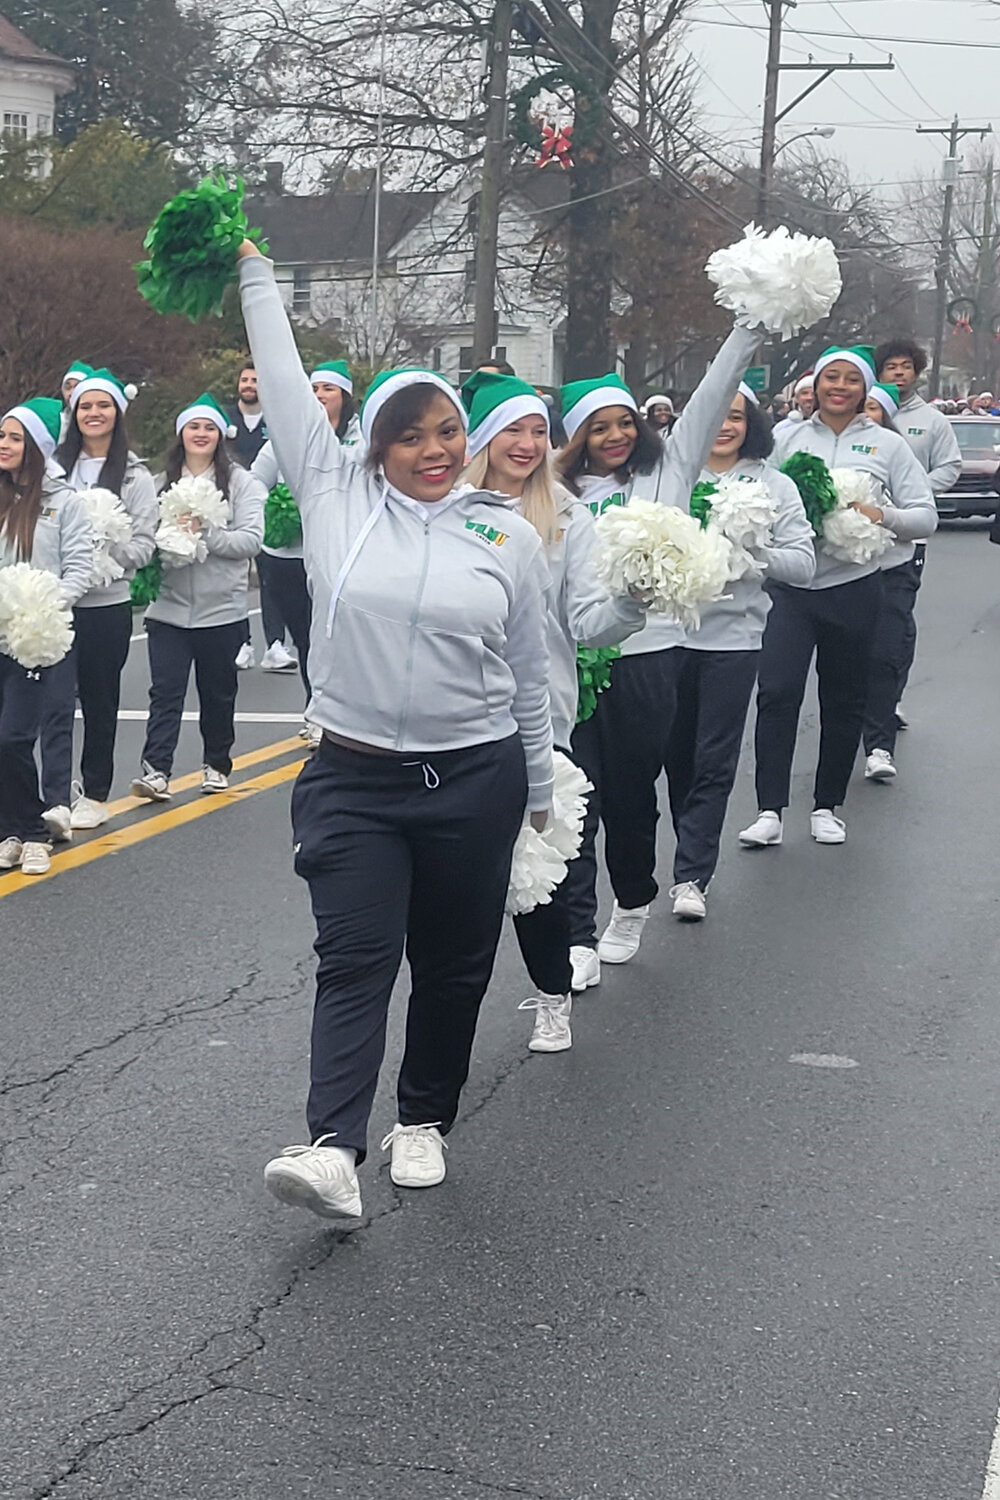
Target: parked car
973, 493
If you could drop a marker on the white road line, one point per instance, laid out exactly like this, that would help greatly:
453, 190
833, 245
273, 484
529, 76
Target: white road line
991, 1489
142, 634
140, 715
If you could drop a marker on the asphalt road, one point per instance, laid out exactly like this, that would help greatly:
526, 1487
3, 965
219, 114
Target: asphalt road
672, 1264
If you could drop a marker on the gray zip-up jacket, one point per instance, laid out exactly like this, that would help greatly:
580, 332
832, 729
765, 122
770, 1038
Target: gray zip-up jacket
932, 438
64, 540
684, 453
214, 592
138, 497
265, 468
429, 627
737, 622
908, 510
580, 611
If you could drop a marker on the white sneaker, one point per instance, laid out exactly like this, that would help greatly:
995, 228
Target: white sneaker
880, 766
417, 1155
245, 658
58, 821
764, 831
621, 938
689, 901
320, 1178
586, 968
826, 829
277, 658
314, 735
552, 1031
10, 853
213, 781
35, 859
902, 722
87, 813
152, 785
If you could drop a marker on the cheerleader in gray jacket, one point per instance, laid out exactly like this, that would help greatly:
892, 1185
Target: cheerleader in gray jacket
42, 523
511, 454
200, 616
611, 458
428, 668
835, 616
717, 662
95, 454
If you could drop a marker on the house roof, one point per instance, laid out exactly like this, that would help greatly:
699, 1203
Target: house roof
20, 48
335, 226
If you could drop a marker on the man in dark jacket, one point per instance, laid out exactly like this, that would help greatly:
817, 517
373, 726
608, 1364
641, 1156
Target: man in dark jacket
247, 418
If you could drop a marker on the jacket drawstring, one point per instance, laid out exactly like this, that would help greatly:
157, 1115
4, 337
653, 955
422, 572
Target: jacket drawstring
352, 556
431, 778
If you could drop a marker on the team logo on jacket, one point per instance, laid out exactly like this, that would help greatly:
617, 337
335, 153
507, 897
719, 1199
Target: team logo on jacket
915, 431
598, 507
862, 448
488, 534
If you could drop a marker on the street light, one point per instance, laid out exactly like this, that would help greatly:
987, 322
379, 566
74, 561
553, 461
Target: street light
826, 131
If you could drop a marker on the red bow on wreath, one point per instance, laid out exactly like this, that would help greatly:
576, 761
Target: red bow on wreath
963, 325
556, 146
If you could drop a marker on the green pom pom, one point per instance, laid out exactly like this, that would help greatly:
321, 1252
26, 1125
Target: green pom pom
814, 483
701, 501
145, 586
192, 249
282, 521
593, 673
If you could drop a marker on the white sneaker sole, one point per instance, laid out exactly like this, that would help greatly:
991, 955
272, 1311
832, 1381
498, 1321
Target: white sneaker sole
886, 774
688, 914
540, 1046
771, 843
213, 791
290, 1189
422, 1182
586, 984
146, 793
289, 666
829, 838
617, 958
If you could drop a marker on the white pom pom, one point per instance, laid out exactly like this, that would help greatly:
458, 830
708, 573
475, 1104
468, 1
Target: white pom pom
663, 554
540, 859
231, 431
848, 535
194, 497
784, 281
111, 525
131, 391
744, 512
36, 627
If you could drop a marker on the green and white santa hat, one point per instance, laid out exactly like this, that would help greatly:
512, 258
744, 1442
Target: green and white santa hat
581, 398
887, 396
78, 370
391, 382
103, 380
40, 417
207, 408
333, 372
494, 401
748, 393
861, 356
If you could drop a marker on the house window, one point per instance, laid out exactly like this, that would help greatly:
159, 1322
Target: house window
470, 277
301, 289
15, 124
437, 360
43, 125
464, 363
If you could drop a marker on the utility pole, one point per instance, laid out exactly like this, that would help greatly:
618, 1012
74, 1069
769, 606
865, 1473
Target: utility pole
986, 285
773, 116
494, 159
955, 133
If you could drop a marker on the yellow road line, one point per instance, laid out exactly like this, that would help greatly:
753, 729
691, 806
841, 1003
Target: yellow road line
193, 778
136, 833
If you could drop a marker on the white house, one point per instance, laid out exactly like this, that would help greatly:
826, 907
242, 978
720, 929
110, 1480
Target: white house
423, 307
31, 80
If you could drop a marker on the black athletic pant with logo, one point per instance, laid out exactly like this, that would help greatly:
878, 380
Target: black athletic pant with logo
173, 650
283, 579
22, 700
543, 936
892, 652
838, 626
402, 854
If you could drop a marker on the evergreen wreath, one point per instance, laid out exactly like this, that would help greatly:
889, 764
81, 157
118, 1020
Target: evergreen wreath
586, 122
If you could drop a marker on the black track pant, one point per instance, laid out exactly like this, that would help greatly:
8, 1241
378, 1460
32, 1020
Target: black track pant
93, 673
22, 699
713, 695
402, 854
892, 652
173, 650
622, 749
838, 624
543, 935
283, 581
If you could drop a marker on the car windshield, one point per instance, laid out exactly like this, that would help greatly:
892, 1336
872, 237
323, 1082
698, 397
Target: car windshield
979, 438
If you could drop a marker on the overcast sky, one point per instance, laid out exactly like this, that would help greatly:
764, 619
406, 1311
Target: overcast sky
875, 114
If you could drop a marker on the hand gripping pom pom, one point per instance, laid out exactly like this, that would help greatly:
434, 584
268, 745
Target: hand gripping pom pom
540, 859
816, 488
199, 499
664, 555
785, 282
145, 586
282, 521
36, 626
848, 535
111, 525
193, 246
593, 673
